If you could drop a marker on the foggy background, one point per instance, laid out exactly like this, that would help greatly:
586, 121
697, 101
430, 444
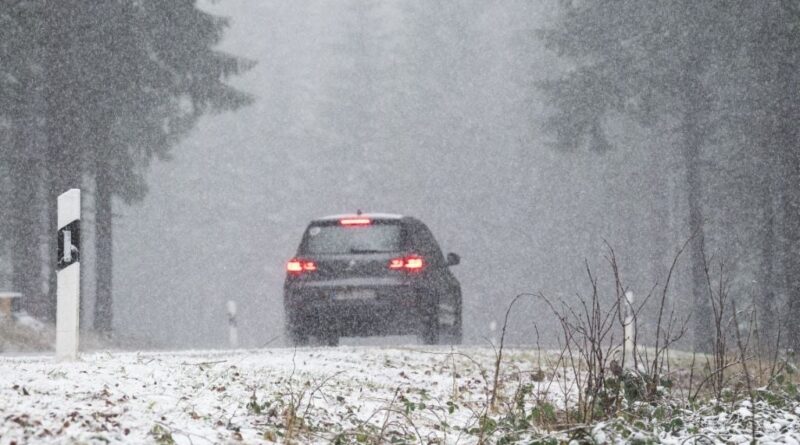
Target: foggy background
531, 137
425, 109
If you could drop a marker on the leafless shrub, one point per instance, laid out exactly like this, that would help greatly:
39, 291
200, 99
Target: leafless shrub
589, 341
499, 355
668, 332
596, 382
597, 357
743, 346
715, 373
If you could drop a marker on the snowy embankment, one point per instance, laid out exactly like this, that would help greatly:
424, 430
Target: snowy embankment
315, 395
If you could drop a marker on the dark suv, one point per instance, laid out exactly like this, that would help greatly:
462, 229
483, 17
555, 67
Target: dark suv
371, 274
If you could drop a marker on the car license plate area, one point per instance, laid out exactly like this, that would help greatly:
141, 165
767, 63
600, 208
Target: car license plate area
354, 294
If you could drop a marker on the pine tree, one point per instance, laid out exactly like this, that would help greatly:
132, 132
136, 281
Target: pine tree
124, 81
774, 92
21, 103
165, 74
648, 60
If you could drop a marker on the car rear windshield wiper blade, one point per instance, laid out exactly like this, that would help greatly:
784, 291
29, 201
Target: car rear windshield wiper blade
354, 250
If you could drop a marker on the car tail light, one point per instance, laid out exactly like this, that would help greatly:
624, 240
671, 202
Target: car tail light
298, 266
355, 221
414, 263
410, 263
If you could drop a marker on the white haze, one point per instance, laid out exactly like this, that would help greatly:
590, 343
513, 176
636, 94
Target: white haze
358, 113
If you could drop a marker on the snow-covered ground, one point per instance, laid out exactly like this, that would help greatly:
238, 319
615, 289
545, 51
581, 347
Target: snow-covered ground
348, 394
214, 397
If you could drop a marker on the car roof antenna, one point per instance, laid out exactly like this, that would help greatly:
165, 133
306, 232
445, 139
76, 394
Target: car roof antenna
358, 212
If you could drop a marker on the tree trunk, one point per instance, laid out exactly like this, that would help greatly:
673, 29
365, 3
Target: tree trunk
768, 186
790, 202
63, 157
791, 258
693, 139
701, 309
103, 309
25, 255
25, 202
769, 245
785, 112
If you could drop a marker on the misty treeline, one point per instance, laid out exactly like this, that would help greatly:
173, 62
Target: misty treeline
91, 92
677, 118
719, 83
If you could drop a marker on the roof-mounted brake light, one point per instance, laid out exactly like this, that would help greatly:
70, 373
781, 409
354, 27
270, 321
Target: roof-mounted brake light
355, 221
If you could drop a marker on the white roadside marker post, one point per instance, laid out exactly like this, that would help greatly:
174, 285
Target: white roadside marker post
630, 329
233, 330
68, 275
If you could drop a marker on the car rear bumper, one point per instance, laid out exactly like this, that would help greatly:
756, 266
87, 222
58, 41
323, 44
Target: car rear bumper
389, 310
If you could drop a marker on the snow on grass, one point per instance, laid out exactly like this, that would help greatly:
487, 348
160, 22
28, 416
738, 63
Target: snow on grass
212, 397
317, 395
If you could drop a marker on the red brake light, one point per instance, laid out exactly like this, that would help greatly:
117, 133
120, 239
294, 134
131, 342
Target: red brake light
297, 266
294, 266
355, 222
410, 263
413, 263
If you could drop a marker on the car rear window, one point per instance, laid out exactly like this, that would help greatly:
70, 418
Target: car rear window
374, 238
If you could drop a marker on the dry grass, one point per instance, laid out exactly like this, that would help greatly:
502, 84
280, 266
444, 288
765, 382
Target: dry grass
30, 336
16, 337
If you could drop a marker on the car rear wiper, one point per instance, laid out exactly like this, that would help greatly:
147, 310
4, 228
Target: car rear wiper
354, 250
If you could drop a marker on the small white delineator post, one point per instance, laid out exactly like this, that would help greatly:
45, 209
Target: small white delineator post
630, 329
233, 331
68, 275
